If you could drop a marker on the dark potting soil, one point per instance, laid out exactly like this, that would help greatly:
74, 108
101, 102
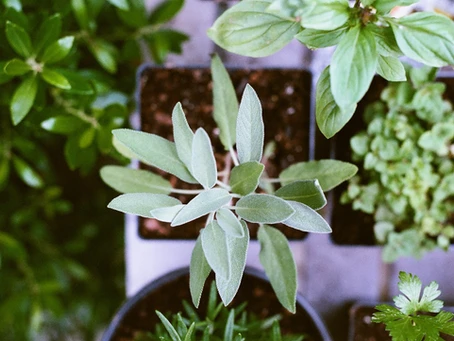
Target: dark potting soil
285, 98
258, 293
351, 227
363, 329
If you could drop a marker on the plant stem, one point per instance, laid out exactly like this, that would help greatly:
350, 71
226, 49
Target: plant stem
234, 158
67, 106
186, 191
272, 181
222, 185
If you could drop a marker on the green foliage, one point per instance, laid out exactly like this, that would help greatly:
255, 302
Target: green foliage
219, 324
230, 197
368, 39
406, 181
416, 317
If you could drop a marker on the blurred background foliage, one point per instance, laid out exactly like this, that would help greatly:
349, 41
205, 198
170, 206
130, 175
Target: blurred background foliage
67, 76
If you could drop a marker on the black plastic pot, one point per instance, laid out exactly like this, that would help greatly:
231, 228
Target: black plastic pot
306, 317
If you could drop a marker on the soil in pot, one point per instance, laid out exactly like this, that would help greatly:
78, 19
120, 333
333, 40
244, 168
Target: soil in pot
285, 98
257, 292
352, 227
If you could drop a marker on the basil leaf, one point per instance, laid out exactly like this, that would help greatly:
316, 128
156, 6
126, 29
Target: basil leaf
315, 39
263, 208
325, 15
141, 203
23, 99
391, 69
384, 6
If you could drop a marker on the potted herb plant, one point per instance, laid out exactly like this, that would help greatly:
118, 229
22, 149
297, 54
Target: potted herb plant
161, 309
231, 197
405, 179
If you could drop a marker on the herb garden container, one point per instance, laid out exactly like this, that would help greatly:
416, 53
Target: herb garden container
167, 293
285, 97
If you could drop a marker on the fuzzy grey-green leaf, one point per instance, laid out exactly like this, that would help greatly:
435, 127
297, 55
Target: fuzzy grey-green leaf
182, 135
204, 203
250, 131
245, 178
203, 163
308, 192
225, 103
154, 151
214, 244
141, 203
330, 173
277, 260
166, 214
306, 219
229, 222
199, 269
263, 208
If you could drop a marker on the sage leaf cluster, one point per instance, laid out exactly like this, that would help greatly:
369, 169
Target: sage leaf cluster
230, 198
367, 37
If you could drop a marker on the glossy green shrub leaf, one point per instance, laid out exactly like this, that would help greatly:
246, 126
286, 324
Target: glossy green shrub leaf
329, 116
79, 85
105, 53
165, 11
204, 203
216, 250
329, 173
199, 269
16, 67
55, 78
121, 4
248, 29
87, 137
245, 178
80, 11
141, 203
308, 192
277, 260
4, 172
57, 50
229, 223
426, 37
163, 156
238, 252
315, 39
27, 173
250, 131
182, 135
353, 66
391, 69
306, 219
263, 208
325, 15
4, 78
16, 4
135, 16
163, 42
23, 99
48, 33
19, 39
225, 103
62, 124
128, 180
203, 164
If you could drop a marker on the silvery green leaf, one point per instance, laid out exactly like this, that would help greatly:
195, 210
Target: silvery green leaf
128, 180
325, 15
306, 219
154, 151
203, 164
204, 203
263, 208
249, 127
244, 178
277, 260
214, 244
315, 39
141, 203
166, 214
182, 135
229, 222
248, 29
199, 269
238, 251
330, 117
426, 37
308, 192
330, 173
353, 66
225, 103
391, 69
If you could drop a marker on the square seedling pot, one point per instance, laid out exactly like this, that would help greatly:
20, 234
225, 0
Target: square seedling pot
285, 97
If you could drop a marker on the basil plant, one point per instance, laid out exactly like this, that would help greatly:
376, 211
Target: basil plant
230, 198
367, 37
407, 178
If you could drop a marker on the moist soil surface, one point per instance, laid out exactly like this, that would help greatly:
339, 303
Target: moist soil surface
352, 227
258, 293
285, 98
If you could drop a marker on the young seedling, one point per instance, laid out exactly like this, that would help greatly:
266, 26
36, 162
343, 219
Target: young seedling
415, 317
231, 198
